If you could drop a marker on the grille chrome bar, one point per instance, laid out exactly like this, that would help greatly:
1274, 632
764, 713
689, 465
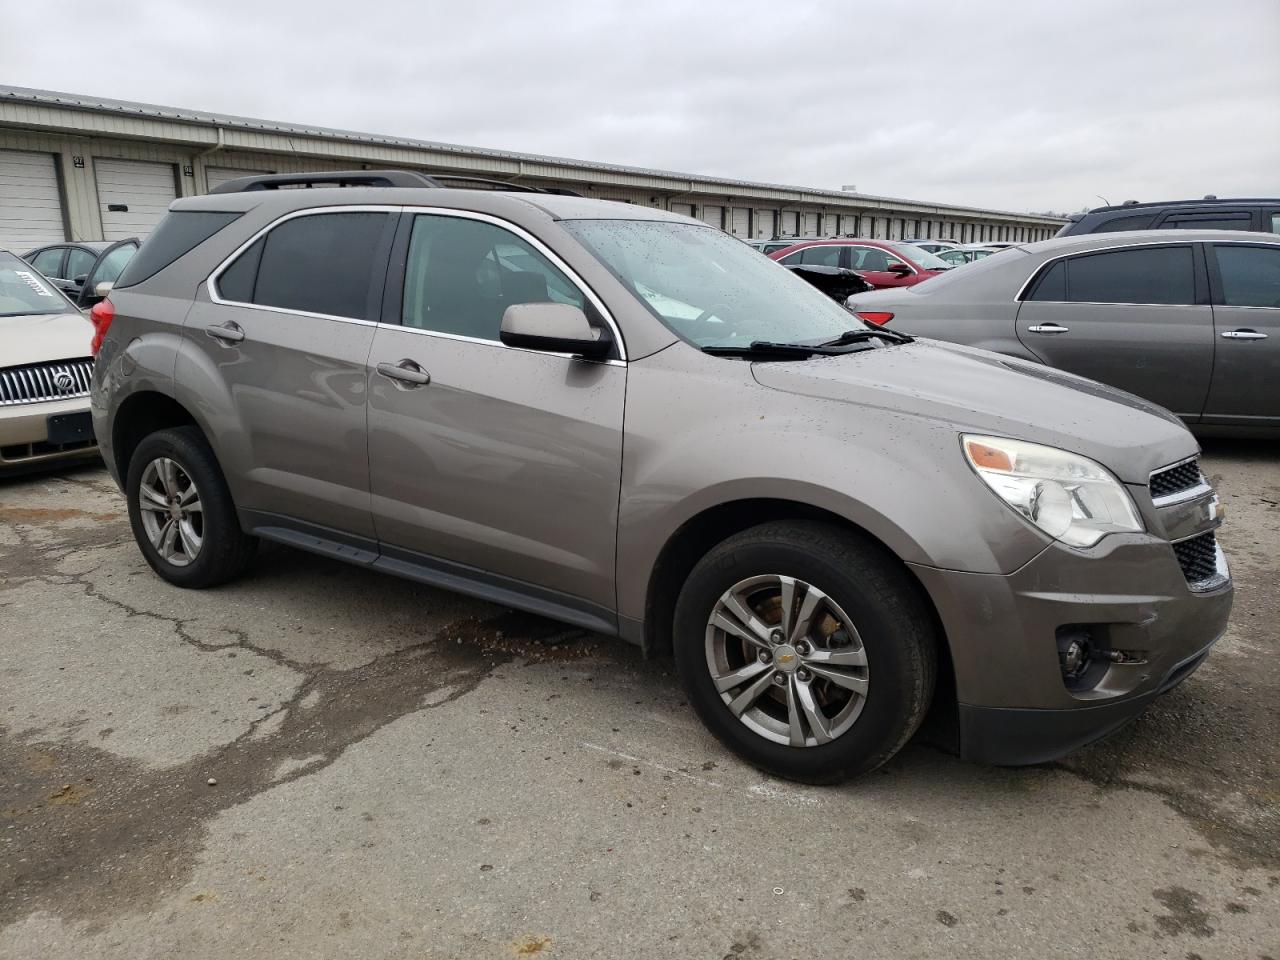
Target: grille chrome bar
39, 382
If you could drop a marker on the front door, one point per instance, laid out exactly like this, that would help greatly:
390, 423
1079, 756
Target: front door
1136, 318
497, 464
278, 360
1246, 319
879, 267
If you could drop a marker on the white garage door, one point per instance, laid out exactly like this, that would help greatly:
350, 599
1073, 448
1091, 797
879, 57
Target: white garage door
766, 223
849, 224
790, 223
216, 176
30, 207
741, 222
810, 224
133, 195
713, 215
684, 209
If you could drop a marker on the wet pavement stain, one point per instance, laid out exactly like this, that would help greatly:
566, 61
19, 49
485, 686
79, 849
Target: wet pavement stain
1185, 914
133, 833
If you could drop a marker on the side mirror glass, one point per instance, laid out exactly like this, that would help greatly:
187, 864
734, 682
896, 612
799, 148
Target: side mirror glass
555, 328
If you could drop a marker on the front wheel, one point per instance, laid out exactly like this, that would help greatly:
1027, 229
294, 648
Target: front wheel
806, 649
181, 511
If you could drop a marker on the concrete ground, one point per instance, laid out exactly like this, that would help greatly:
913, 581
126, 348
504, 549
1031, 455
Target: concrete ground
405, 773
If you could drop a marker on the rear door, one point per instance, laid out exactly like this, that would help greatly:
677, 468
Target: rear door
1137, 318
277, 355
1245, 279
497, 463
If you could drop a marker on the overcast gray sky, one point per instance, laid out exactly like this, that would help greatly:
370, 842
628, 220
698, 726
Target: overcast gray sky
1015, 104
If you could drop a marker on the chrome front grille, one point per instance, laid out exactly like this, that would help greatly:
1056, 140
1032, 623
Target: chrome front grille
1171, 481
58, 380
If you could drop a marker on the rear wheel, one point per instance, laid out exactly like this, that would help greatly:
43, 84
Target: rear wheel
806, 649
181, 511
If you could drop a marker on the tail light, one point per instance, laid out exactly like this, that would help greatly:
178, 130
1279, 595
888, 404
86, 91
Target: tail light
875, 318
100, 316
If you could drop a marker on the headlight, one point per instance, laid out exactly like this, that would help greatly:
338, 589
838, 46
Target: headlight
1069, 497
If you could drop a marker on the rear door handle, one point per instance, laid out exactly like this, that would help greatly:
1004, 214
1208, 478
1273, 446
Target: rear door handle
1048, 328
406, 372
1243, 335
229, 332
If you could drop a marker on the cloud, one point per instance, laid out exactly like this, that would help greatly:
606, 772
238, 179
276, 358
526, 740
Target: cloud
1015, 104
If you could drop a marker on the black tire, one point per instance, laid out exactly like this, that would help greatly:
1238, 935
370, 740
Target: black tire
226, 550
886, 608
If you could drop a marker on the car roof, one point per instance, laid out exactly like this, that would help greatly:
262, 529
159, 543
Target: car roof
1202, 201
498, 202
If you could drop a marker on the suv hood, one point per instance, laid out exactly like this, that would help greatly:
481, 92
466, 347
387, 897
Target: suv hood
37, 339
976, 391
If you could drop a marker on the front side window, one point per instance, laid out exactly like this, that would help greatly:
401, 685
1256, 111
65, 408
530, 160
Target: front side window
24, 292
1250, 275
708, 288
462, 274
113, 263
1164, 275
79, 263
49, 262
872, 258
318, 263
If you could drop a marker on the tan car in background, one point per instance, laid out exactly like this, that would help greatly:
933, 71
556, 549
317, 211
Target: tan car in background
45, 369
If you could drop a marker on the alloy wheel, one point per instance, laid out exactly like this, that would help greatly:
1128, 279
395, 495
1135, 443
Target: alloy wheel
786, 660
172, 515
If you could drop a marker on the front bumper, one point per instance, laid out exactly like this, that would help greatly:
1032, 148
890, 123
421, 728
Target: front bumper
24, 435
1014, 706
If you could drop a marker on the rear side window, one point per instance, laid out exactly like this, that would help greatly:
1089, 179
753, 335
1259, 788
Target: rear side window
318, 263
820, 256
1275, 223
1210, 221
179, 233
1144, 275
1134, 222
1250, 275
49, 262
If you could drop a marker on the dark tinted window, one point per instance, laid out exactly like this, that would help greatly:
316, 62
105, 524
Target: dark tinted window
1052, 284
321, 263
1224, 221
820, 256
1250, 275
461, 275
1143, 275
1134, 222
236, 282
178, 233
1275, 222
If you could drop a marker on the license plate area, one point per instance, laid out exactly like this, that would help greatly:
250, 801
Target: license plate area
70, 428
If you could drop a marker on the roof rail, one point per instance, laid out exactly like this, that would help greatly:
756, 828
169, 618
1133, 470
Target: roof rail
374, 178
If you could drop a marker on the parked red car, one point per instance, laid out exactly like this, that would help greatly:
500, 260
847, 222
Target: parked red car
882, 263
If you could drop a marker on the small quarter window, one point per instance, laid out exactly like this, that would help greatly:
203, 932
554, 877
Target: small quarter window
1052, 285
180, 232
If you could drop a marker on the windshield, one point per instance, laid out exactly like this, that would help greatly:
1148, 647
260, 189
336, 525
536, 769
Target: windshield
24, 292
709, 288
922, 258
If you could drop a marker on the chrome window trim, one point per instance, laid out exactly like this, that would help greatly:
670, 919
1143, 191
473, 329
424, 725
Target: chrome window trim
1018, 297
571, 274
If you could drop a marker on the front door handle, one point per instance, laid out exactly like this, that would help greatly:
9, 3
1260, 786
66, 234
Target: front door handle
406, 372
1243, 335
1048, 328
229, 332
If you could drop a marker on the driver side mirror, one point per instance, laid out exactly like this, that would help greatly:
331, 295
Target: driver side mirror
901, 269
103, 289
555, 328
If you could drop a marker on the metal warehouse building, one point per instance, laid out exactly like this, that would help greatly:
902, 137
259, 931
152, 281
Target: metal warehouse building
87, 168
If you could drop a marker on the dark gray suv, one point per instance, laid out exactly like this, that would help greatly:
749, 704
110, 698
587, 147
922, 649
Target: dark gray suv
631, 421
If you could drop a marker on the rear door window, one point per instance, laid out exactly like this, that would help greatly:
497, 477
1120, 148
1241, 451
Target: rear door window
1250, 275
1274, 220
320, 263
819, 256
79, 263
1158, 275
1052, 284
1241, 220
49, 262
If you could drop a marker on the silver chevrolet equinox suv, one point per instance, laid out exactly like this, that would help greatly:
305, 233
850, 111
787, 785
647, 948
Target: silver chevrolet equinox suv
632, 422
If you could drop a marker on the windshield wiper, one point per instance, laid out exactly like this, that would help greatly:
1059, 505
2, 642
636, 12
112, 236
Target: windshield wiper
862, 336
766, 348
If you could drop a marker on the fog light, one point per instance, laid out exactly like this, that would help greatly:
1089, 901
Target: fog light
1074, 658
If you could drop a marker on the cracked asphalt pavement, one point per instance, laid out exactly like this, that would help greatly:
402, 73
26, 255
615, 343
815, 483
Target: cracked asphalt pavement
319, 761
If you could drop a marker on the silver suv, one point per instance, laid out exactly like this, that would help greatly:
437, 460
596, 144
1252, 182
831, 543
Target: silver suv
631, 421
